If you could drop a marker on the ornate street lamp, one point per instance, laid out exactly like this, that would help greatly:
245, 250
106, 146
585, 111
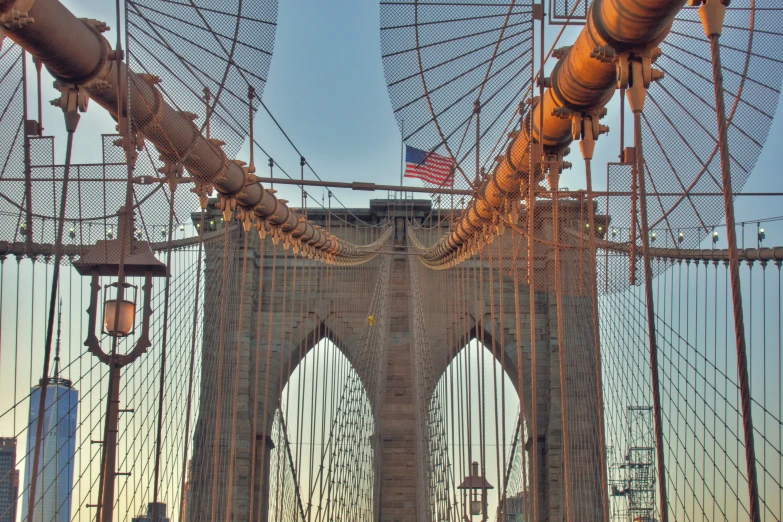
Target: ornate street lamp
475, 486
118, 259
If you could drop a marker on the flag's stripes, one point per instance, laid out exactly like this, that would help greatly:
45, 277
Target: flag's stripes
444, 172
428, 167
429, 178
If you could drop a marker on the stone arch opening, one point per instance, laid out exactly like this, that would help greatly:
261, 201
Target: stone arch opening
480, 422
323, 331
324, 450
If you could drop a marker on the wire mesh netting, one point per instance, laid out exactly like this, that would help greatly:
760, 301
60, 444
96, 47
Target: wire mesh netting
680, 135
223, 48
443, 58
568, 12
568, 362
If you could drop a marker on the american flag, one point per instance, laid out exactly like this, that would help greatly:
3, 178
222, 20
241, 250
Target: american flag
429, 167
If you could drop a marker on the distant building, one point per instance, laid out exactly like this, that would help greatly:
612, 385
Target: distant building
54, 477
56, 457
514, 509
9, 480
186, 493
159, 514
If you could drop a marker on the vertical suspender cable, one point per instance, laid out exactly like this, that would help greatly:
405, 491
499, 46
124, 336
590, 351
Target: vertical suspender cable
712, 13
219, 378
28, 171
520, 380
316, 332
237, 369
482, 411
535, 159
264, 481
650, 303
593, 282
402, 151
71, 121
531, 201
502, 348
256, 378
554, 176
194, 335
164, 346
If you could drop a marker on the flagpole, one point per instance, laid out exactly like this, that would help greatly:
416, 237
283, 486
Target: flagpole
453, 175
402, 150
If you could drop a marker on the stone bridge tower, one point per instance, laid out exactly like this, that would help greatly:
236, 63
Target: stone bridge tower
399, 464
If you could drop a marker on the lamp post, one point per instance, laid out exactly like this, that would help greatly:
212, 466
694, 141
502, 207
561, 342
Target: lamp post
475, 486
117, 258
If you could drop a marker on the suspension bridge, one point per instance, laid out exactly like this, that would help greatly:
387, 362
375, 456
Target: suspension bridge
179, 341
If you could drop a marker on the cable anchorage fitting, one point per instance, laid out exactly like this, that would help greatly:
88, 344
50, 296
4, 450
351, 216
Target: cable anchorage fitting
262, 227
586, 128
173, 171
131, 145
202, 190
247, 217
227, 205
634, 71
72, 97
711, 14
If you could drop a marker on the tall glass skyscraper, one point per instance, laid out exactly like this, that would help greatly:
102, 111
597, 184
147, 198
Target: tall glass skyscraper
58, 444
9, 479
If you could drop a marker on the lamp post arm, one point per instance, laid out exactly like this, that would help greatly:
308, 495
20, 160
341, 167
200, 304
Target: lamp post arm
92, 342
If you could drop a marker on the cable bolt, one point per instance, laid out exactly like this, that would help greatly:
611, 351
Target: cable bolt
99, 86
98, 25
152, 79
14, 19
72, 97
553, 163
191, 116
115, 55
604, 53
561, 52
635, 73
250, 179
564, 113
